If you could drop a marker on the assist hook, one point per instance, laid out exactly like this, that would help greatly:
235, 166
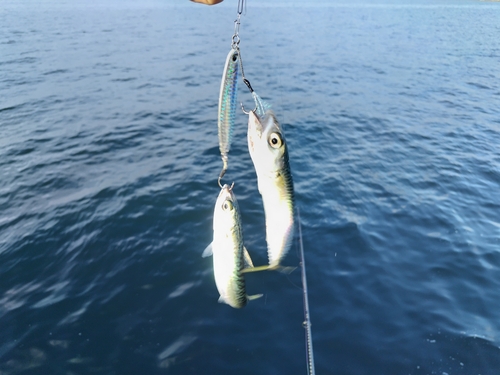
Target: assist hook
222, 173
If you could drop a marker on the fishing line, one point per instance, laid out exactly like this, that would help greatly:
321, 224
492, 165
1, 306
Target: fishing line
307, 319
236, 36
228, 93
236, 40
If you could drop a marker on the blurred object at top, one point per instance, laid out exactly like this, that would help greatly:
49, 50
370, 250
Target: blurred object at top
208, 2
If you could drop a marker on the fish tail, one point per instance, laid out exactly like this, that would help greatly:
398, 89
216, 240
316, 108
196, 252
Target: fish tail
283, 269
254, 296
256, 269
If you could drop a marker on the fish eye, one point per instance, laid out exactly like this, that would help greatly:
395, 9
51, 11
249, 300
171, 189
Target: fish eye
227, 205
275, 140
235, 57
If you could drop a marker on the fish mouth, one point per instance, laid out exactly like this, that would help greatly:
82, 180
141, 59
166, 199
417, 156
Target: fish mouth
226, 193
254, 124
226, 190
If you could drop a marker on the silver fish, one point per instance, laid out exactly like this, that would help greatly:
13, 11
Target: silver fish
229, 254
269, 153
227, 105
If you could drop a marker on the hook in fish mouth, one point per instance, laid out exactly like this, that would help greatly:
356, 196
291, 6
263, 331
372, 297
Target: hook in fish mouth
222, 186
222, 173
247, 112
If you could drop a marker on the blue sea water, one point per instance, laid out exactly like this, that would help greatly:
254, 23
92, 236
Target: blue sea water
108, 176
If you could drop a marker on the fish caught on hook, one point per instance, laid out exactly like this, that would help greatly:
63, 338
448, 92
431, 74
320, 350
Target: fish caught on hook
269, 152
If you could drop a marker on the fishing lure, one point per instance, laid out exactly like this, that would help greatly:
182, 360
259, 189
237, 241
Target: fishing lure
227, 105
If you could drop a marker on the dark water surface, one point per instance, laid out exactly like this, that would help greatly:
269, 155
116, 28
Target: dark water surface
109, 161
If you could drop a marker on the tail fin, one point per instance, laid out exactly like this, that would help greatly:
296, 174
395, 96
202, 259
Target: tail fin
254, 296
282, 269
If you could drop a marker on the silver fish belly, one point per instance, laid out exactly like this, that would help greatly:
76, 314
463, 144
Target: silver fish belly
268, 150
227, 104
229, 254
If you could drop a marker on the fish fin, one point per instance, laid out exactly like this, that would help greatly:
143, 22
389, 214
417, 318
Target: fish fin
255, 269
254, 296
284, 269
281, 269
208, 251
221, 300
246, 256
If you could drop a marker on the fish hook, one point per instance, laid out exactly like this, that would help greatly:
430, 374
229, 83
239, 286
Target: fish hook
222, 173
247, 82
247, 112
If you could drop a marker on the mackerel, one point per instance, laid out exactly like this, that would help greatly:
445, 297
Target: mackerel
229, 255
268, 149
